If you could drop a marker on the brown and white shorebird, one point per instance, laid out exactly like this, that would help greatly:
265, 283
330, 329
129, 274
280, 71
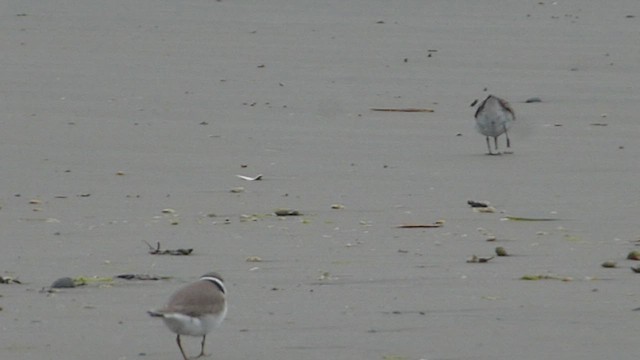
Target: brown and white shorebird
195, 309
493, 118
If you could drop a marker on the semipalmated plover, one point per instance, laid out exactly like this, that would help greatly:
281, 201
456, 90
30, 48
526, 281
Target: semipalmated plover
493, 118
195, 309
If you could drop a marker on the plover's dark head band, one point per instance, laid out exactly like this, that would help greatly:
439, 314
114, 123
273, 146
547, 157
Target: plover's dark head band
216, 281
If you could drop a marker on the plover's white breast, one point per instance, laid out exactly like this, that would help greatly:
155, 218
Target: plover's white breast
493, 118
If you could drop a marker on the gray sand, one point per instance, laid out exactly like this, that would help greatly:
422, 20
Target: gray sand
113, 111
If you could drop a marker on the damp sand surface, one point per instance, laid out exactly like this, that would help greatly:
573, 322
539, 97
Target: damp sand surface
112, 112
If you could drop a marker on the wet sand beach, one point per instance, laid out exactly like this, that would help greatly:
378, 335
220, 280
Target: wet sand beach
124, 123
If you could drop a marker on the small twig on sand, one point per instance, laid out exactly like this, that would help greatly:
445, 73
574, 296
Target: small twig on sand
157, 251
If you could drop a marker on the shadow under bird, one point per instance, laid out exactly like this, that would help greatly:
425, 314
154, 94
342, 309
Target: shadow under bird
494, 117
196, 309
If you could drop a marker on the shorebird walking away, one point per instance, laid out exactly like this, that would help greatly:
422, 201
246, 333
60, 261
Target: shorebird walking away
195, 309
493, 118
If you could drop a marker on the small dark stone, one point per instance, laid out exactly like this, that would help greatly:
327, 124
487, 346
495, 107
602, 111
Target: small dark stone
500, 251
477, 204
533, 100
65, 282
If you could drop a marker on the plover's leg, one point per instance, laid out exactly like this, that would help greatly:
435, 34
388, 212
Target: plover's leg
180, 346
495, 142
202, 348
507, 135
489, 145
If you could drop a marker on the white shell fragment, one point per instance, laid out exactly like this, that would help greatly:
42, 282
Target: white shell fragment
248, 178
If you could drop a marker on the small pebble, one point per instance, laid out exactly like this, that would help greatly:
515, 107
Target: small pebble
609, 264
533, 100
500, 251
64, 282
634, 255
478, 204
287, 212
